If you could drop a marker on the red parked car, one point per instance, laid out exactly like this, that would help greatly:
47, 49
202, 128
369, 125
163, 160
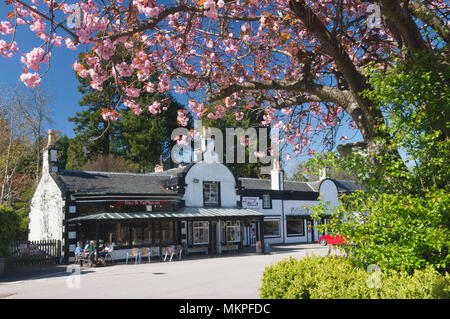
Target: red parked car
331, 239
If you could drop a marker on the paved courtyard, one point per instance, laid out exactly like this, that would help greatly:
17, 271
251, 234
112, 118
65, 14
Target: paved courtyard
218, 277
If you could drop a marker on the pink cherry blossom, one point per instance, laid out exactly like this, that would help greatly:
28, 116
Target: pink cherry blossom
155, 108
6, 28
57, 40
33, 58
30, 79
239, 116
182, 118
132, 92
6, 49
124, 69
37, 26
70, 45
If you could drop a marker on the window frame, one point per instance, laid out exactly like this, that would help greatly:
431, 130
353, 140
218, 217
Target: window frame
302, 219
279, 228
264, 203
218, 203
228, 225
193, 227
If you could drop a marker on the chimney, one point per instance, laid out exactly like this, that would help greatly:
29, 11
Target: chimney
50, 154
200, 144
322, 174
277, 176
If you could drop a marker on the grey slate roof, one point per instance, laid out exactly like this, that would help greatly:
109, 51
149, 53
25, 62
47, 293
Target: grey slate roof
185, 212
106, 182
343, 186
266, 184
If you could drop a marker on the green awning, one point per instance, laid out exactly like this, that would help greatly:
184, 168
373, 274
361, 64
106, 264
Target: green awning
184, 213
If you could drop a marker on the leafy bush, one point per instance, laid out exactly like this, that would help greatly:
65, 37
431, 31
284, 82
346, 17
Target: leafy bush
9, 227
335, 277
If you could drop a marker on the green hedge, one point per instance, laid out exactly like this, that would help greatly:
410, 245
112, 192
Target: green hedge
334, 277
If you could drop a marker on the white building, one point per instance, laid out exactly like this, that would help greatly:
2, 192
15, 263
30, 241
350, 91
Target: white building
285, 205
201, 206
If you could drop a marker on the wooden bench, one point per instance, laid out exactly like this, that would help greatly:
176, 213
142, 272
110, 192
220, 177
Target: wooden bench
198, 249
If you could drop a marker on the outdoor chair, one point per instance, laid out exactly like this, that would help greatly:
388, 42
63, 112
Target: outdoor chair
154, 251
134, 253
109, 255
168, 251
178, 252
79, 260
145, 252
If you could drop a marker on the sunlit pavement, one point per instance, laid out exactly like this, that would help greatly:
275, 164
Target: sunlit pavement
226, 277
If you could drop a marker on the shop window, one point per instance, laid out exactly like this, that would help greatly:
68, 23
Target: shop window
167, 232
198, 233
295, 226
272, 228
157, 231
115, 233
231, 231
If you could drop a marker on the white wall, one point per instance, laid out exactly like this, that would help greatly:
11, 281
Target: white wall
214, 172
46, 211
329, 192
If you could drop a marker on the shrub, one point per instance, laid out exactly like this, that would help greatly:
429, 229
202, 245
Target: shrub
9, 227
335, 277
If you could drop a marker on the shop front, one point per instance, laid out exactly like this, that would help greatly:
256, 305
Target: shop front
198, 230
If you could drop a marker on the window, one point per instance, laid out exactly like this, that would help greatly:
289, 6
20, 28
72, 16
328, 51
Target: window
167, 232
117, 233
267, 202
295, 226
231, 231
211, 194
142, 233
199, 233
157, 232
272, 228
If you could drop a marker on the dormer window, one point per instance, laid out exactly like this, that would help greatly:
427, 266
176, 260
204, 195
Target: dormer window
211, 193
267, 202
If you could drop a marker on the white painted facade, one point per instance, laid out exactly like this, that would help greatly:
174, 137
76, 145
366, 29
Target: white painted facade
46, 208
210, 172
281, 209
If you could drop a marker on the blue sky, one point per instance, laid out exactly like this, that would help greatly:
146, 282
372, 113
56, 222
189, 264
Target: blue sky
61, 82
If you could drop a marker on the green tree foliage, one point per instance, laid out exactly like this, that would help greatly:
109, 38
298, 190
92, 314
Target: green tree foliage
400, 232
401, 221
251, 119
22, 209
9, 228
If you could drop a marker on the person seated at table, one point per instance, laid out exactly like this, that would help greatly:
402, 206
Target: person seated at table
90, 246
79, 251
90, 251
107, 250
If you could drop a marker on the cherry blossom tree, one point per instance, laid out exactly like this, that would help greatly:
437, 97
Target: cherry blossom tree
300, 62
